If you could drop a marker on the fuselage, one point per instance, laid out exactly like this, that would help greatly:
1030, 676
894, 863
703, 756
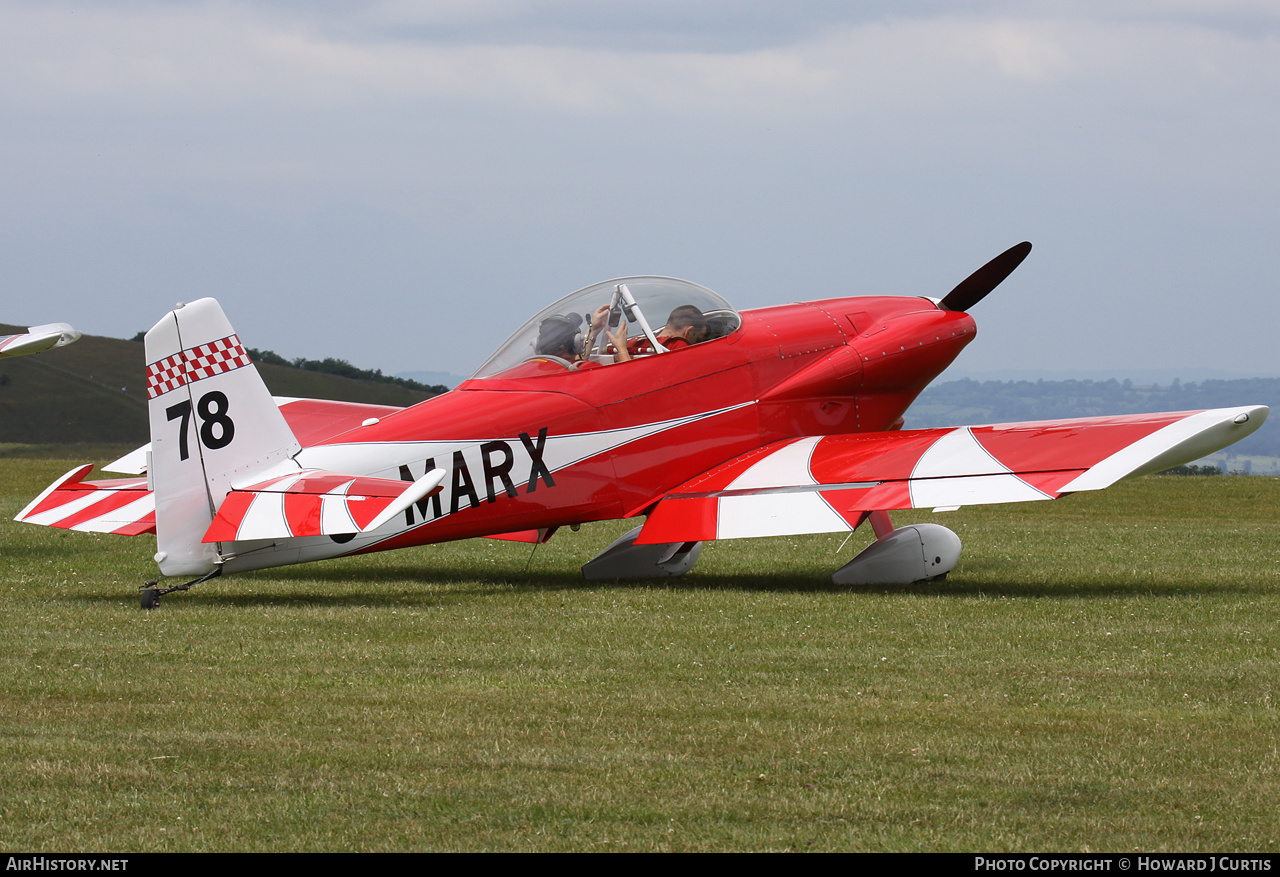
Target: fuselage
540, 445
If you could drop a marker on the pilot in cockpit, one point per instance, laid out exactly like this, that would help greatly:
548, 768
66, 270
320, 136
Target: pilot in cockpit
560, 336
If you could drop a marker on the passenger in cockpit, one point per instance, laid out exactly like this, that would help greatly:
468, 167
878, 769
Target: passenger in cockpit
685, 326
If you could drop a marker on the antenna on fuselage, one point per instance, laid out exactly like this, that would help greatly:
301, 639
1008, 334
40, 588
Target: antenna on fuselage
977, 285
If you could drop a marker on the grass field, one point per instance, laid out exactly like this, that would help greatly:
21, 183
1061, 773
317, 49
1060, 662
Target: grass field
1098, 674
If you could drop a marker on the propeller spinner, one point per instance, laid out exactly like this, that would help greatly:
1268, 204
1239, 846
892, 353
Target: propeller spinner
975, 287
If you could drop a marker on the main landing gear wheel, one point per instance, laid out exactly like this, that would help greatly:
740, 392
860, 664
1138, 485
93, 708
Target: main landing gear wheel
151, 595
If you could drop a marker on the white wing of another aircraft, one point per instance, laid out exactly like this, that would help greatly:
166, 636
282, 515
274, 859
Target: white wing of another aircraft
38, 338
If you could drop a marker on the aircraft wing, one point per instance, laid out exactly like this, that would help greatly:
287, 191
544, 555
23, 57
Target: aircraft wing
122, 505
38, 338
827, 484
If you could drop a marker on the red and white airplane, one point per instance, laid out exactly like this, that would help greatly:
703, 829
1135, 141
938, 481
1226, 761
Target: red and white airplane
776, 421
37, 339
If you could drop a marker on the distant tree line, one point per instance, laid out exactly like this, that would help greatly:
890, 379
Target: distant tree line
1192, 470
342, 368
964, 402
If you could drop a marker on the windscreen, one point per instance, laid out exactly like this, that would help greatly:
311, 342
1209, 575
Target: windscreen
655, 298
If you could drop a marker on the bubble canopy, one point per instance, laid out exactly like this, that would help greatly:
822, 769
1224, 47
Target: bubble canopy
655, 298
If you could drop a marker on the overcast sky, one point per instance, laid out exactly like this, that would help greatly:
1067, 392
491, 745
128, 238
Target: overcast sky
401, 184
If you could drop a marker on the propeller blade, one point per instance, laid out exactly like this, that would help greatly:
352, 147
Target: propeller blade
975, 287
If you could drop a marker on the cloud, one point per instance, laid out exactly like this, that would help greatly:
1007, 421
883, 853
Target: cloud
153, 57
778, 150
143, 56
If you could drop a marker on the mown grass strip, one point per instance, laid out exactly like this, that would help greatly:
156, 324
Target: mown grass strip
1100, 673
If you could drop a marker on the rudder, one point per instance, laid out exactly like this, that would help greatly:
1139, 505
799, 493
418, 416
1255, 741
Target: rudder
212, 419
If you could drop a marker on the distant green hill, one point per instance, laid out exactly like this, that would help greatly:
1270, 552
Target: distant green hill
95, 392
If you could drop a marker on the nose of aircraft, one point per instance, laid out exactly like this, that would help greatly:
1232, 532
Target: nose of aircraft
909, 350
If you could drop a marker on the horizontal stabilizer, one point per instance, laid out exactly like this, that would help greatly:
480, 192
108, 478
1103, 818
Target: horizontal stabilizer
825, 484
123, 505
316, 503
427, 485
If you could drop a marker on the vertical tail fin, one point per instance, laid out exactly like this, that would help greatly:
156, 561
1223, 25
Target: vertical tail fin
212, 419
